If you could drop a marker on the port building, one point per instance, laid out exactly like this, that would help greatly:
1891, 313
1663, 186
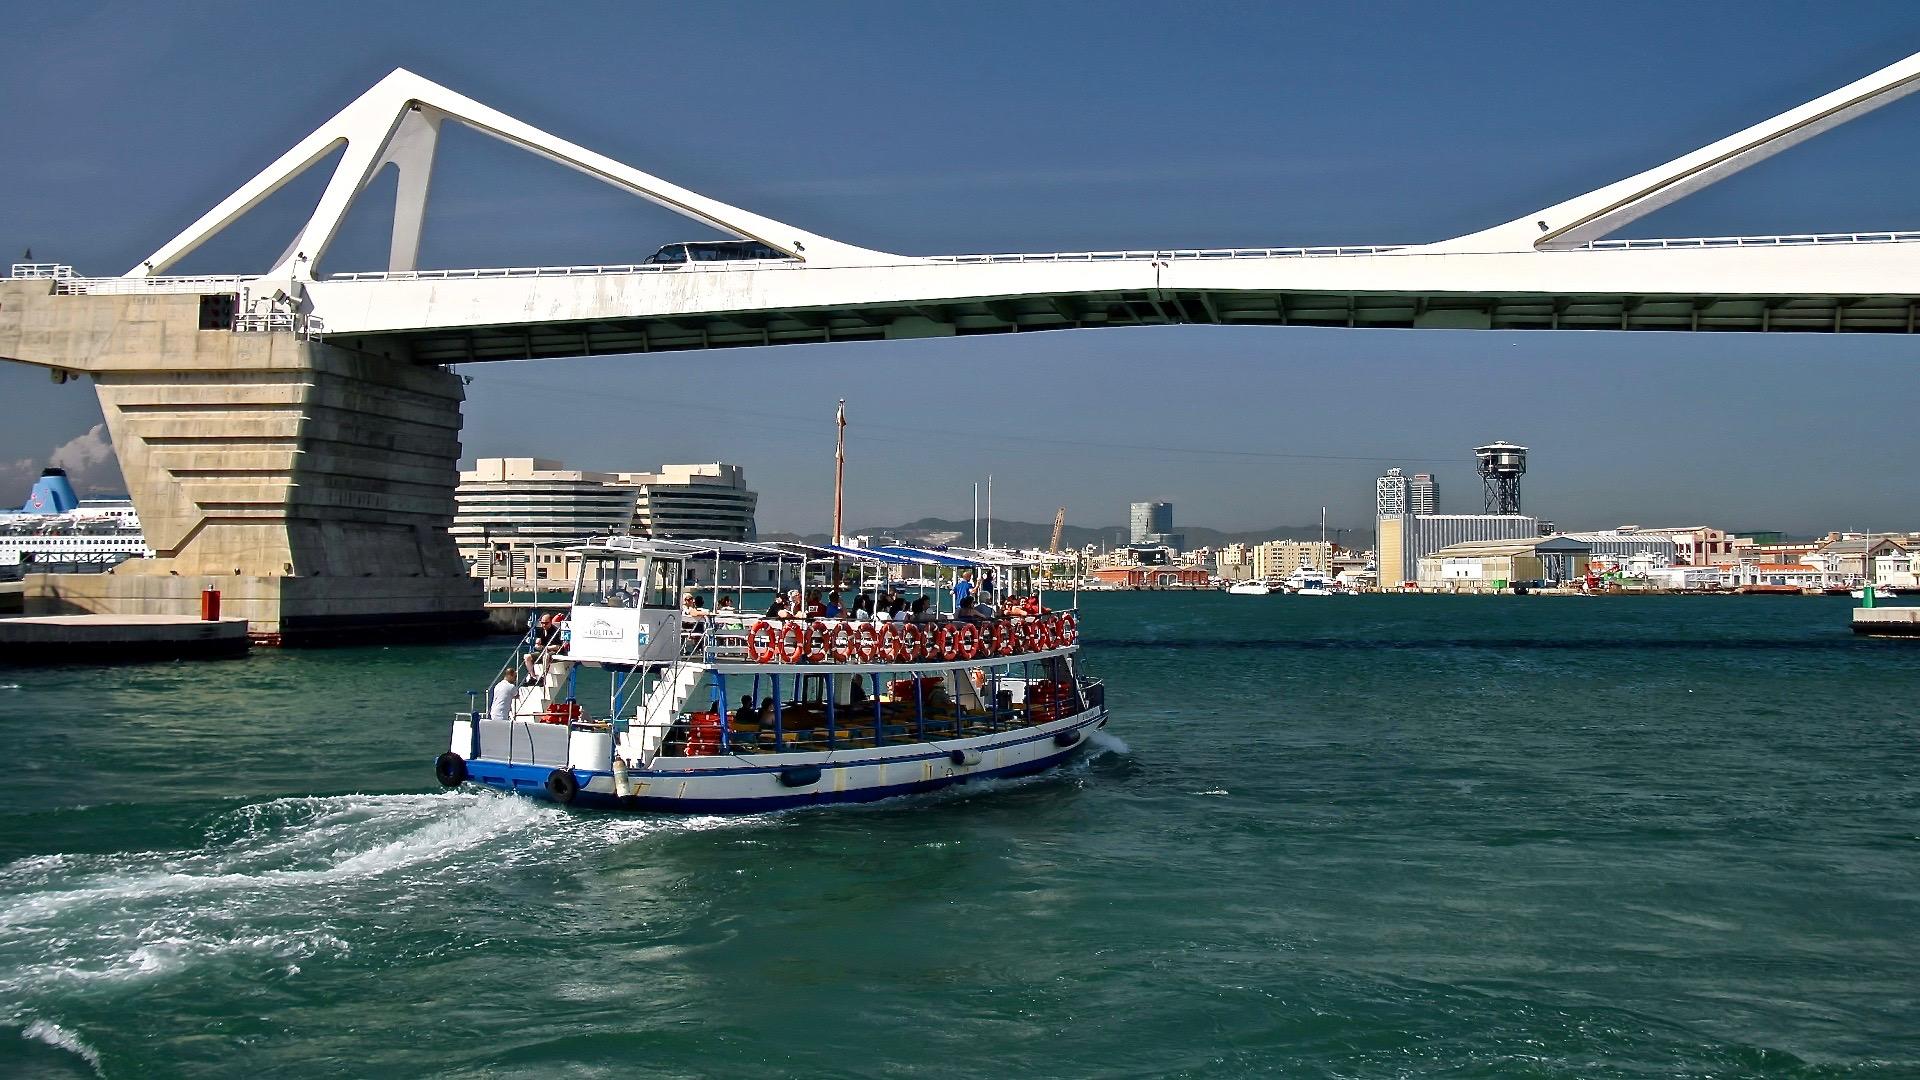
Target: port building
1492, 565
1618, 546
1402, 540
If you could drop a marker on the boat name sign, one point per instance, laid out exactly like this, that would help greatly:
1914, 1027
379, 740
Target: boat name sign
609, 635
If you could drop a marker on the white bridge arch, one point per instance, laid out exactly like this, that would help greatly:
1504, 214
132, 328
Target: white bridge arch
1553, 268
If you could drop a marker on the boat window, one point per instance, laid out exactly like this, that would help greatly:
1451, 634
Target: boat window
672, 253
663, 584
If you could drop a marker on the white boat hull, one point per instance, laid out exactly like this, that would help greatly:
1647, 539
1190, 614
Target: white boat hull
754, 783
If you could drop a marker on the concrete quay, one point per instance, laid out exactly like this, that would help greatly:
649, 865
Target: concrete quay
117, 639
1887, 621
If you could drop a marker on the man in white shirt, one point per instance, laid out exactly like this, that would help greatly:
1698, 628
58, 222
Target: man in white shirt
500, 706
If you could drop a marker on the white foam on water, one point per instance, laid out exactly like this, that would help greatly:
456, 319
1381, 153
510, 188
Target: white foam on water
272, 882
56, 1036
9, 686
1108, 742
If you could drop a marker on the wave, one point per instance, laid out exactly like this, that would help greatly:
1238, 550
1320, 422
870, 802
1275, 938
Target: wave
274, 885
56, 1036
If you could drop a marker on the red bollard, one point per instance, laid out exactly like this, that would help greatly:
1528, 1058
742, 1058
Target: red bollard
210, 605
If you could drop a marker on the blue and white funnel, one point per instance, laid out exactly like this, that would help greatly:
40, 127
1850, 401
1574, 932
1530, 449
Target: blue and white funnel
51, 494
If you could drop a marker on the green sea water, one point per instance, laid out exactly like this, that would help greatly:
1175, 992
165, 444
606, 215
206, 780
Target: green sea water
1328, 837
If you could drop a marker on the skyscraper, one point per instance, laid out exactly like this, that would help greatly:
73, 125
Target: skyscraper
1423, 494
1390, 494
1152, 522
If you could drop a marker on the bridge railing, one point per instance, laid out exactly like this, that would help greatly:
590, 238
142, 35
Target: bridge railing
311, 327
142, 286
1793, 240
57, 271
1182, 254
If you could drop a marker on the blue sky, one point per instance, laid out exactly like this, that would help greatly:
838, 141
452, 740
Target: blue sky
931, 129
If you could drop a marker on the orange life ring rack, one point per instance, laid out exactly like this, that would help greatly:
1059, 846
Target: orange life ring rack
866, 642
793, 642
763, 642
967, 642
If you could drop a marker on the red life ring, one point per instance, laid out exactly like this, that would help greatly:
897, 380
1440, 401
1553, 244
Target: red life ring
818, 634
916, 642
1055, 635
1001, 639
763, 642
969, 641
839, 642
946, 642
893, 642
1071, 623
793, 642
1017, 634
866, 642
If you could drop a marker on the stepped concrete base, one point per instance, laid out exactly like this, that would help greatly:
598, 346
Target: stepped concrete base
1887, 621
277, 468
115, 639
280, 610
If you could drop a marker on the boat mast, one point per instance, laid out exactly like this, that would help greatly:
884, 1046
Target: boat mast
839, 487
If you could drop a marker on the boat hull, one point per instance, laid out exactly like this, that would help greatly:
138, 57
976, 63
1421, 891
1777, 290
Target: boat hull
757, 783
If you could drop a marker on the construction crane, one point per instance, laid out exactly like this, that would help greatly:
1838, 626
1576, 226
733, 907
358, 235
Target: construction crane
1059, 526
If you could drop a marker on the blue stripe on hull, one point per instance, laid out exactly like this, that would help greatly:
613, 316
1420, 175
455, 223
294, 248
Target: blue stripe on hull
531, 780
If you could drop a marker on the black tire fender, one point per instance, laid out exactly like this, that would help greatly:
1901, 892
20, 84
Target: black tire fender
450, 769
562, 785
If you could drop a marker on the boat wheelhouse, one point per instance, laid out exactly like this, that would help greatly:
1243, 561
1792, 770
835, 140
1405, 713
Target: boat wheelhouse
640, 696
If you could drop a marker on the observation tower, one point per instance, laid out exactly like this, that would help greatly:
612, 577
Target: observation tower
1501, 464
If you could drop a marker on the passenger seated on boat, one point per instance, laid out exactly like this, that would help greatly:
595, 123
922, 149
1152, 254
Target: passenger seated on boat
746, 714
831, 604
690, 607
778, 609
766, 712
923, 611
725, 607
970, 612
863, 608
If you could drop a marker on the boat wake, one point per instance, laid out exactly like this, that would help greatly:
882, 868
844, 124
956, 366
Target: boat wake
276, 884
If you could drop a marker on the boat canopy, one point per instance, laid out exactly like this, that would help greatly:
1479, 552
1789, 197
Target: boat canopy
737, 551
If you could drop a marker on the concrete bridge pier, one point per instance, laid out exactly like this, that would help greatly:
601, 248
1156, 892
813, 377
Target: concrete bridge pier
312, 484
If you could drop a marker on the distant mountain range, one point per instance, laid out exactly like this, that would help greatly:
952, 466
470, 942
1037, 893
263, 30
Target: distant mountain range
1028, 534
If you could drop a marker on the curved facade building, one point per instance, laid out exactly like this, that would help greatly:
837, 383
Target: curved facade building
520, 503
507, 508
693, 502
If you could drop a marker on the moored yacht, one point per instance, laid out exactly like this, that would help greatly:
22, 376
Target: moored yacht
638, 697
1308, 581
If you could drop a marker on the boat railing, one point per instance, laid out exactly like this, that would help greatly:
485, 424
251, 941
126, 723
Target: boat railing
753, 639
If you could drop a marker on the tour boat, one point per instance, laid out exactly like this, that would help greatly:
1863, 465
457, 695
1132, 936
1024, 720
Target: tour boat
631, 703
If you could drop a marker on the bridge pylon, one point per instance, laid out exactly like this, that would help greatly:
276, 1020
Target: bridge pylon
312, 485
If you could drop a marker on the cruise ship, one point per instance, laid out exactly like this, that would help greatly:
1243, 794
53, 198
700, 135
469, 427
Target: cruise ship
57, 531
